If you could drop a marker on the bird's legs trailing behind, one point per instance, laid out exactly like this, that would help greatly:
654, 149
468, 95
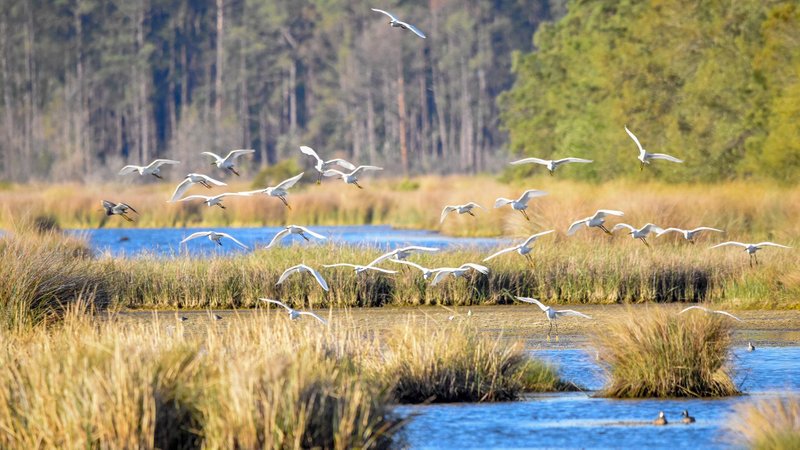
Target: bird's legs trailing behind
525, 215
234, 171
283, 199
157, 176
603, 227
357, 185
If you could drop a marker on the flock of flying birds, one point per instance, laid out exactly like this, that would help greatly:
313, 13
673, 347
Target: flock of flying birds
349, 174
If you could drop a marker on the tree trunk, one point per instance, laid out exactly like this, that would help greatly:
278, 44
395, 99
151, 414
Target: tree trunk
371, 143
401, 113
218, 70
143, 116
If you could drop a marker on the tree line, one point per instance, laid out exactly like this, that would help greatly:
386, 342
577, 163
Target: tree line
716, 83
87, 86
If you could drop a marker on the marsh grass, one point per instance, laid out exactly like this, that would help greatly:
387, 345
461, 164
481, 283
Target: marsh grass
255, 381
662, 354
769, 424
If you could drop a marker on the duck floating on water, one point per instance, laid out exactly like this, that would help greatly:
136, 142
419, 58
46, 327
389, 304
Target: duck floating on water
661, 420
687, 419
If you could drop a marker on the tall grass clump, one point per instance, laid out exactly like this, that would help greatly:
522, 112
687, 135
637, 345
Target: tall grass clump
769, 424
458, 364
660, 353
43, 273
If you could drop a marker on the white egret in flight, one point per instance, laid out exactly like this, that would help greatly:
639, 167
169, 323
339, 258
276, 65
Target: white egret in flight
597, 220
520, 204
154, 168
397, 23
229, 161
551, 164
552, 314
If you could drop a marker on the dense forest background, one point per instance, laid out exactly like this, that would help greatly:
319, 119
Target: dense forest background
90, 85
87, 86
716, 83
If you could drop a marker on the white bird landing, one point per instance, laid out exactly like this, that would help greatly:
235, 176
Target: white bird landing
294, 229
641, 233
321, 165
302, 268
711, 311
352, 177
597, 220
293, 313
466, 208
552, 314
229, 161
280, 191
456, 272
192, 179
215, 237
215, 200
117, 209
360, 269
397, 23
520, 204
688, 234
551, 164
402, 253
154, 168
523, 249
645, 156
751, 249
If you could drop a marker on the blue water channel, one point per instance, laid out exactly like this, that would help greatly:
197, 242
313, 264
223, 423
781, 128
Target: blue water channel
165, 241
577, 420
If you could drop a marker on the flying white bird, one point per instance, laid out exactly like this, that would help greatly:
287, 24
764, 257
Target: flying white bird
551, 164
523, 249
214, 237
641, 233
597, 220
293, 313
154, 168
645, 156
552, 314
301, 268
294, 229
397, 23
711, 311
520, 204
117, 209
192, 179
321, 165
215, 200
466, 208
426, 273
352, 177
751, 249
402, 253
688, 234
228, 162
280, 191
360, 269
443, 272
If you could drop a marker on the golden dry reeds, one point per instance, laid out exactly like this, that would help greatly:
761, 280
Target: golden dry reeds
767, 424
660, 353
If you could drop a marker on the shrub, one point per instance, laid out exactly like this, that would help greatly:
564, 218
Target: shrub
770, 424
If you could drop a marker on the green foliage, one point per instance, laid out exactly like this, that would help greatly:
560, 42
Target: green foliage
714, 83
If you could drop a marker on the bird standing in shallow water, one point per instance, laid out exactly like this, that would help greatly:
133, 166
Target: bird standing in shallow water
661, 419
687, 419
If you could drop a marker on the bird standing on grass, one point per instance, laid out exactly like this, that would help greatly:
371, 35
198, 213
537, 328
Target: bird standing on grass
302, 268
751, 249
645, 156
552, 314
641, 233
551, 164
117, 209
280, 191
293, 313
229, 161
688, 234
154, 168
352, 177
520, 204
397, 23
191, 179
213, 236
321, 165
597, 220
466, 208
294, 229
523, 249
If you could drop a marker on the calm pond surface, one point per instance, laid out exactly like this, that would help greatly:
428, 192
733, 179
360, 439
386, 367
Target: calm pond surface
165, 241
576, 420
